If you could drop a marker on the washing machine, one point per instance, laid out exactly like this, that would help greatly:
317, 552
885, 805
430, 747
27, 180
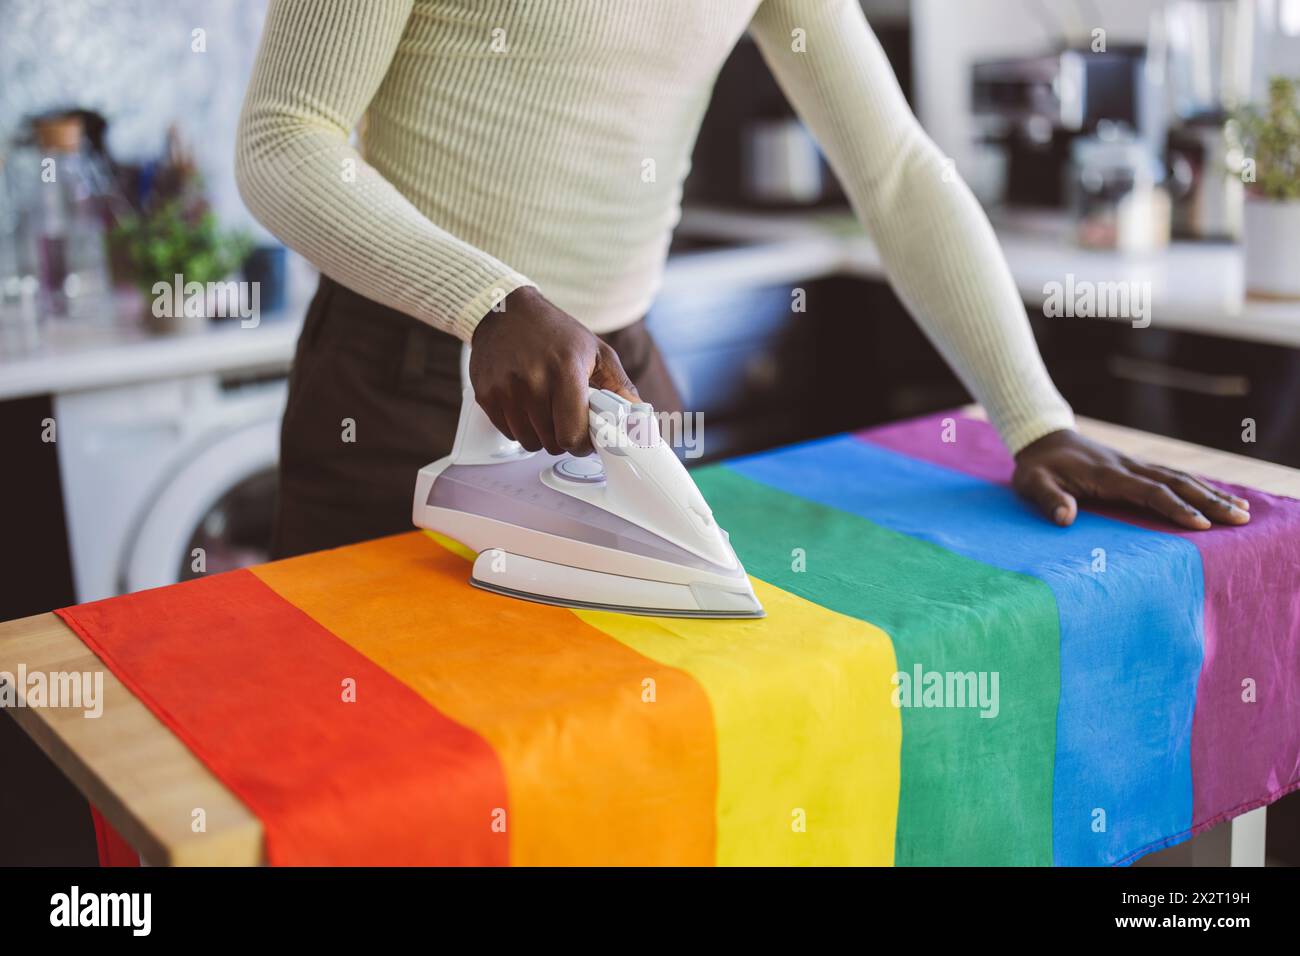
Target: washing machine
170, 479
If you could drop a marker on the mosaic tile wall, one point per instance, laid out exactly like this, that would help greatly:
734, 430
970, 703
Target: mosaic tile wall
133, 61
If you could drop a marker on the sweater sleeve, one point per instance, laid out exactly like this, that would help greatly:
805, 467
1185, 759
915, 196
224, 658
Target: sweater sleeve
937, 245
318, 66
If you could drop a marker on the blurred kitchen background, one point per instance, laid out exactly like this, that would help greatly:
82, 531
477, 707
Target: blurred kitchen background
1105, 137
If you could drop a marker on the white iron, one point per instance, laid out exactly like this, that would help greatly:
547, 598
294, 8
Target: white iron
623, 530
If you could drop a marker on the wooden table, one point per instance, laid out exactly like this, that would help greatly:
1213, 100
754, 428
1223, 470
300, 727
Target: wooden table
147, 783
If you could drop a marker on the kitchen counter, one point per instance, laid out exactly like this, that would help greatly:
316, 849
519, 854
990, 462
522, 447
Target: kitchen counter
80, 356
77, 357
1196, 287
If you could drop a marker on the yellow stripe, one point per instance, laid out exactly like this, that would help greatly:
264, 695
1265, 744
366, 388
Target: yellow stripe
452, 545
806, 731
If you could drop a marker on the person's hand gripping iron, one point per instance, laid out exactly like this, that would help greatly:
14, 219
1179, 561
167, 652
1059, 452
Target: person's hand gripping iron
531, 364
625, 530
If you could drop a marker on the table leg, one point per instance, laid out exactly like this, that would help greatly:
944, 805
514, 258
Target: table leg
1248, 833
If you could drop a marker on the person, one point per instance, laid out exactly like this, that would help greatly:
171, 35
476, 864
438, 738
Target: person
519, 180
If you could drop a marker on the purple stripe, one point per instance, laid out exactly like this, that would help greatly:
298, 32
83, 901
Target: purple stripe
1244, 754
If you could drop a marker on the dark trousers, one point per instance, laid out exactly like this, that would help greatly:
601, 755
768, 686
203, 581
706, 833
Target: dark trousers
374, 395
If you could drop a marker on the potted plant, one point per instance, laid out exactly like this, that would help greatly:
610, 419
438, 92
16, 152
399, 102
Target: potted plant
1270, 141
173, 246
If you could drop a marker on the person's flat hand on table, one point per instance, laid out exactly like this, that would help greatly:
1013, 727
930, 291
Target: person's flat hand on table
1058, 469
530, 366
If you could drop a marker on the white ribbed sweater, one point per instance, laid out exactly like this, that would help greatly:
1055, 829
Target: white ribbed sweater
549, 139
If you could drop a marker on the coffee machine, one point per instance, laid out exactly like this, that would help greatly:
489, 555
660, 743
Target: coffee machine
1033, 109
1208, 44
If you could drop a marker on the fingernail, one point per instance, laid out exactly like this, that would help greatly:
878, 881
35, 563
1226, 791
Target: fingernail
1240, 514
1060, 514
1241, 503
1200, 519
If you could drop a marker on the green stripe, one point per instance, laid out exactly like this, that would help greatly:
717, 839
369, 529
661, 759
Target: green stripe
974, 790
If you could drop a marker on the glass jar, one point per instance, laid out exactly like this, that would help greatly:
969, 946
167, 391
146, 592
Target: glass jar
1116, 194
65, 221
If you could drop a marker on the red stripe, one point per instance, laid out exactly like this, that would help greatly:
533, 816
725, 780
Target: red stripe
254, 688
113, 849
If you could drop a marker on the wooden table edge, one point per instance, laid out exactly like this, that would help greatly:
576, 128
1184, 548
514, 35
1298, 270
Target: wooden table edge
236, 839
1188, 456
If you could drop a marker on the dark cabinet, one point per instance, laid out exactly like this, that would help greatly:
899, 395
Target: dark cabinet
1199, 388
762, 374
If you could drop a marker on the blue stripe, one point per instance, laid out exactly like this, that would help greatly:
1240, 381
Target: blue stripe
1131, 635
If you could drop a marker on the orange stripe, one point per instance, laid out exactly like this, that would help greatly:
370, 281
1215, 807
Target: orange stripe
602, 767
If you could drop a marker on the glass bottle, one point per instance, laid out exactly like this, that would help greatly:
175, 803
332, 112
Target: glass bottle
68, 222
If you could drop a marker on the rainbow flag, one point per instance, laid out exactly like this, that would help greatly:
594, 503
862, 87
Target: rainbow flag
942, 678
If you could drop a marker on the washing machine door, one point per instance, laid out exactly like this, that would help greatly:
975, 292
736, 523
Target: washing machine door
212, 514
